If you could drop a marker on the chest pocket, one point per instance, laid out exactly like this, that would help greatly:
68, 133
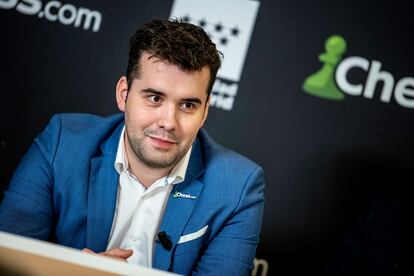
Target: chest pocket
191, 242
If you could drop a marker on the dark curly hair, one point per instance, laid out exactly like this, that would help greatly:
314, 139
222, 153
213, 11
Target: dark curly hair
182, 44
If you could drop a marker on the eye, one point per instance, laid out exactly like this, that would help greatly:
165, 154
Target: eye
154, 98
188, 105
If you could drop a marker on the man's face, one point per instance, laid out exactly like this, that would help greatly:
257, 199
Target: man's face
164, 109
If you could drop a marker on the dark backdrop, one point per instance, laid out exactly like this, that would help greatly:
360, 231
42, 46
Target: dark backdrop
323, 159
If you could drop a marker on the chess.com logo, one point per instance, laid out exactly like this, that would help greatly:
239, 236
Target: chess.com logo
331, 81
66, 14
229, 24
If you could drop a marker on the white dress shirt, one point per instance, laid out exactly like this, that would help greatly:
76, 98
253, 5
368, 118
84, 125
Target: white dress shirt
139, 210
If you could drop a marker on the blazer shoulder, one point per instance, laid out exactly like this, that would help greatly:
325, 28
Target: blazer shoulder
80, 126
218, 157
78, 122
70, 133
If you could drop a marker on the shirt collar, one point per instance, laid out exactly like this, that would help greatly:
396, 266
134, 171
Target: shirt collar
177, 174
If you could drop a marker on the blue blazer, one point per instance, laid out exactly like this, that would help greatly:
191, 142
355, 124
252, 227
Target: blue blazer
65, 190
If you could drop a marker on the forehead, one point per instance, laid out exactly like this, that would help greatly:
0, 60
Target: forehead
169, 78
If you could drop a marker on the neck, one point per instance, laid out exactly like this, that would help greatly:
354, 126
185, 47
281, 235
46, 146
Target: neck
146, 175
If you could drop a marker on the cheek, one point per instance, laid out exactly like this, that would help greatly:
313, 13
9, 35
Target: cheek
138, 116
190, 128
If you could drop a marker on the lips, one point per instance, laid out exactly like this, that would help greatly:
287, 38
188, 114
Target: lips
162, 143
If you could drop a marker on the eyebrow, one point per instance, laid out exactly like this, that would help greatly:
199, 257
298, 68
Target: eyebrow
159, 93
152, 91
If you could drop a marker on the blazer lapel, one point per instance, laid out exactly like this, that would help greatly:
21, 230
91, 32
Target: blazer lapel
179, 209
102, 194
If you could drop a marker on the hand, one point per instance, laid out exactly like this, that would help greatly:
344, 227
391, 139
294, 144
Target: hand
116, 253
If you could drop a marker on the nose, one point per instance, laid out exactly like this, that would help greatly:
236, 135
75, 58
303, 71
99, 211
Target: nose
168, 118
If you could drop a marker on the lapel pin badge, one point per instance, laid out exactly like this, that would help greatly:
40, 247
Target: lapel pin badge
183, 195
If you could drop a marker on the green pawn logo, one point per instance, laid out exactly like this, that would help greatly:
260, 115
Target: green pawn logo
322, 83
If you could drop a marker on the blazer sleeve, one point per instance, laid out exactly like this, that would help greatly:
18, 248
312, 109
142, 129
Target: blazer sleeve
27, 207
232, 250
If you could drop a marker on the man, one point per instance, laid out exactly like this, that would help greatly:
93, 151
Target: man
149, 186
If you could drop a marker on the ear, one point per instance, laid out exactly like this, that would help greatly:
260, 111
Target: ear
206, 110
121, 93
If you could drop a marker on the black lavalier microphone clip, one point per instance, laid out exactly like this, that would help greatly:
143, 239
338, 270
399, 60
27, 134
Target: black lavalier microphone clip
164, 240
